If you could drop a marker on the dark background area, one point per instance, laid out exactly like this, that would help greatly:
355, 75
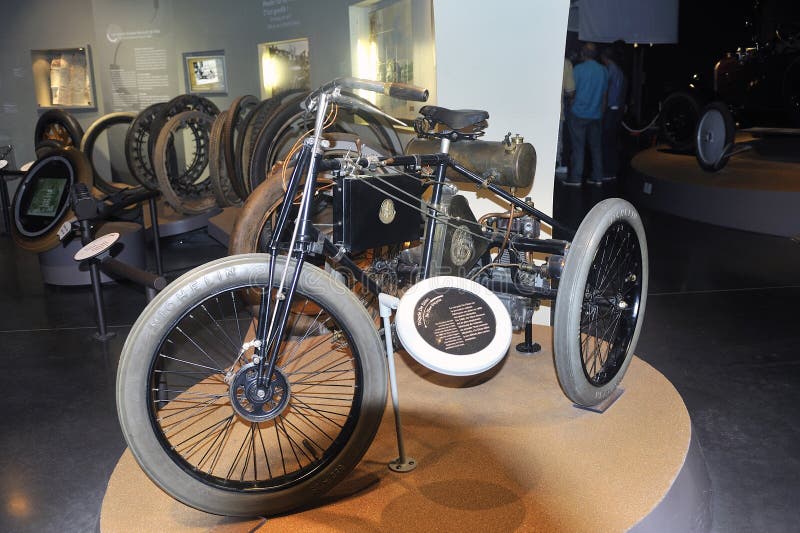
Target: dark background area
707, 31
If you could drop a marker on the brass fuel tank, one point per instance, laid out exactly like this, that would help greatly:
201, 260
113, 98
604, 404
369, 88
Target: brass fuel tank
511, 165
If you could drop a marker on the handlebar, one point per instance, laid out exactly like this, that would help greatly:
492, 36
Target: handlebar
402, 91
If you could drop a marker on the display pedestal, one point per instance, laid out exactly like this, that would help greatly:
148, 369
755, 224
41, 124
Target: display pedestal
171, 223
59, 268
500, 452
221, 225
756, 191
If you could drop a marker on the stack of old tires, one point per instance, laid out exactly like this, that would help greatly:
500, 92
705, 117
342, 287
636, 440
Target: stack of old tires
200, 158
250, 137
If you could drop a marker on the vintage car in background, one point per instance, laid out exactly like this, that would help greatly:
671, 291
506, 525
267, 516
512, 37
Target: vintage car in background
757, 86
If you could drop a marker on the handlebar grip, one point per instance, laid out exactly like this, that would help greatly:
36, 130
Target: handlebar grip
403, 91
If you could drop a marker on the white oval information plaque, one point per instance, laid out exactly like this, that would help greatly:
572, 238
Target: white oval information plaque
96, 247
453, 326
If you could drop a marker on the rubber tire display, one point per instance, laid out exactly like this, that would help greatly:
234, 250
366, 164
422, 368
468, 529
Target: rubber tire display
179, 104
202, 199
141, 359
714, 136
83, 174
579, 299
281, 131
257, 120
680, 112
45, 147
90, 138
60, 126
232, 131
217, 169
137, 142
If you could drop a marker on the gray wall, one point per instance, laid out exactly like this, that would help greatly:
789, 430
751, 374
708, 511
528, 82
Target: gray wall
235, 26
35, 24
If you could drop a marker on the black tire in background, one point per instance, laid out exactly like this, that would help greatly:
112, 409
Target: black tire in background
220, 184
179, 104
184, 424
137, 142
677, 121
60, 126
600, 303
45, 147
232, 130
256, 121
182, 190
89, 140
714, 136
290, 121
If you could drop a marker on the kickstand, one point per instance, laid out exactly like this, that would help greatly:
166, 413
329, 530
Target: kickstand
403, 463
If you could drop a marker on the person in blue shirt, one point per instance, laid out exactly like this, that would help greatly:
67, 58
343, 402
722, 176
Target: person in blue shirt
612, 118
586, 115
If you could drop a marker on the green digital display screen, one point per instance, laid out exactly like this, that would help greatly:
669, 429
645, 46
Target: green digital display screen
46, 197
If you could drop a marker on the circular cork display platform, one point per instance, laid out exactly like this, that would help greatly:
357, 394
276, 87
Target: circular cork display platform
499, 452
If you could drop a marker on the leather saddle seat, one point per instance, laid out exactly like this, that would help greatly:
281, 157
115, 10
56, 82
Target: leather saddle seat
455, 119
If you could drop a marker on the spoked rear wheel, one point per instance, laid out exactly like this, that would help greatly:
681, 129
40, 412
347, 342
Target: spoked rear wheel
212, 434
600, 303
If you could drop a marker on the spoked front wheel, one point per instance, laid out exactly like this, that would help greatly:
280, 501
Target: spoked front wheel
600, 302
209, 431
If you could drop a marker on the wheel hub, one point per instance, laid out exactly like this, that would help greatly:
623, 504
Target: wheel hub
258, 400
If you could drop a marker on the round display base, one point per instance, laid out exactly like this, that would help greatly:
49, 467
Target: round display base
508, 453
528, 349
403, 466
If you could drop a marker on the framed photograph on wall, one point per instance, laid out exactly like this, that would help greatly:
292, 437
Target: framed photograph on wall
283, 65
205, 72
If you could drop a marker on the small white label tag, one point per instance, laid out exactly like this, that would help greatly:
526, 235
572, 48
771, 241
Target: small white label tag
66, 227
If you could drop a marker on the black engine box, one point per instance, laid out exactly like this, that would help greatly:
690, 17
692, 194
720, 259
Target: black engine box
368, 213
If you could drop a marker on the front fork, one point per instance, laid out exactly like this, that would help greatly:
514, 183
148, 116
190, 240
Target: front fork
271, 323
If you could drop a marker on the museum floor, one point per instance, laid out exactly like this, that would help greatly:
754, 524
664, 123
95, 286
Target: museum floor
719, 325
